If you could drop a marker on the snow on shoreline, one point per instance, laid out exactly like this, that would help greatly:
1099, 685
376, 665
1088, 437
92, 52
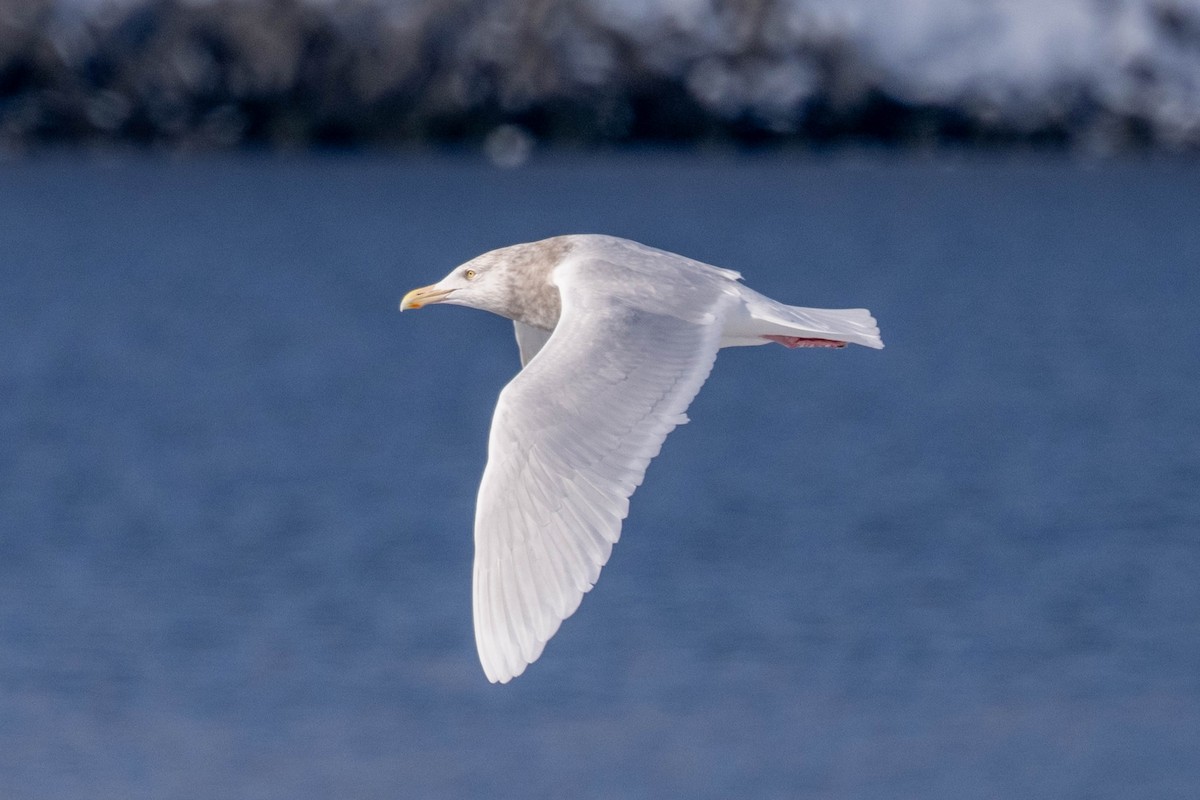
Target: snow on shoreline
1097, 74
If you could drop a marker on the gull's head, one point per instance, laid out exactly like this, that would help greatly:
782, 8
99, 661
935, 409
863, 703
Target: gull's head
514, 282
480, 283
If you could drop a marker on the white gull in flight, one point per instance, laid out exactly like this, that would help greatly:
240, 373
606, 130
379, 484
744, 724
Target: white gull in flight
616, 338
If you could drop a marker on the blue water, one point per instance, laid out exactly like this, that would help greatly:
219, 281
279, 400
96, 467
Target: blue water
236, 487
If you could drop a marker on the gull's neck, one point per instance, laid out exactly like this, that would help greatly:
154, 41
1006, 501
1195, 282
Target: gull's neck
532, 298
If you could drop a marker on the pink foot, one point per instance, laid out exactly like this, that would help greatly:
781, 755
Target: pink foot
799, 341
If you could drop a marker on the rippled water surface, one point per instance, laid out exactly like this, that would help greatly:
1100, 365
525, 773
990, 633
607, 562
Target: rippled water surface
236, 487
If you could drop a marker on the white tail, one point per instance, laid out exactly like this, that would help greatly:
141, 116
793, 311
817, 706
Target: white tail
766, 317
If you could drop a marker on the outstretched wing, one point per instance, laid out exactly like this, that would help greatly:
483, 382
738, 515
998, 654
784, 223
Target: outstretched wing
572, 436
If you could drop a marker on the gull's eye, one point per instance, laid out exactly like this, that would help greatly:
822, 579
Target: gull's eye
469, 274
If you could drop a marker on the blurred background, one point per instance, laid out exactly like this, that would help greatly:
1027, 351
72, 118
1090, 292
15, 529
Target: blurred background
237, 487
1099, 75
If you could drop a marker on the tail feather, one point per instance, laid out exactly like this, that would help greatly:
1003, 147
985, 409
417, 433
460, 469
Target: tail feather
854, 325
759, 319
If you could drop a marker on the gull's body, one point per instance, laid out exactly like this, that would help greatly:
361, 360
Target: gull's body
616, 339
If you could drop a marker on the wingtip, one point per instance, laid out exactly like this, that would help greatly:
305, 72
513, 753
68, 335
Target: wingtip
503, 676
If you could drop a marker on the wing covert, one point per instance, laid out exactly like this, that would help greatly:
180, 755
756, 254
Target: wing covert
529, 340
